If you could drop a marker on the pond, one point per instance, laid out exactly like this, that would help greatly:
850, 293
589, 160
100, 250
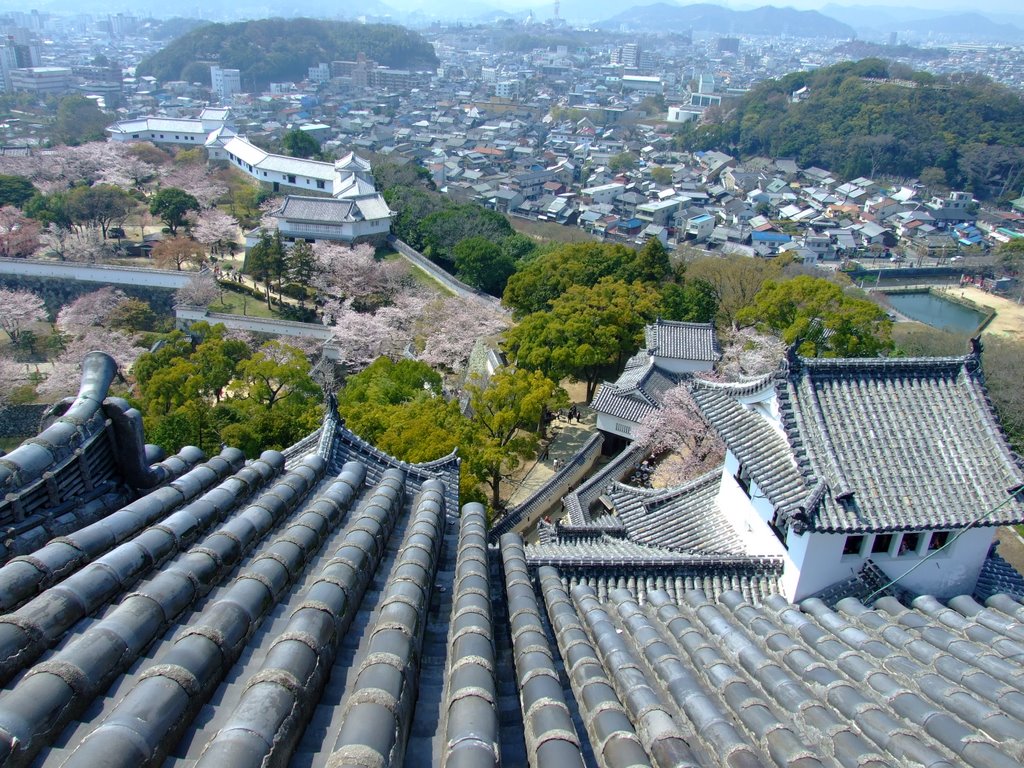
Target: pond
936, 311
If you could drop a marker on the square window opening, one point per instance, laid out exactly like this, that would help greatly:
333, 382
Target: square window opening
881, 544
853, 545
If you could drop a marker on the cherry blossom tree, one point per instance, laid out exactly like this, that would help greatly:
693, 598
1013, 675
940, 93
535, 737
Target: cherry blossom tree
66, 371
12, 374
82, 245
450, 328
200, 291
19, 310
178, 251
19, 236
748, 353
267, 207
351, 273
678, 426
215, 229
362, 337
197, 181
88, 311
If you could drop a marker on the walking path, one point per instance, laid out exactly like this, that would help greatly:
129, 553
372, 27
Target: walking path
565, 440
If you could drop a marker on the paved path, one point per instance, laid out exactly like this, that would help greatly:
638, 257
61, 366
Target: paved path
566, 440
1009, 319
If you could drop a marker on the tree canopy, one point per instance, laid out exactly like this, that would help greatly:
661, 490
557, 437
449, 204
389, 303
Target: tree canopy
299, 143
172, 205
587, 334
15, 190
218, 390
820, 317
270, 50
79, 120
505, 413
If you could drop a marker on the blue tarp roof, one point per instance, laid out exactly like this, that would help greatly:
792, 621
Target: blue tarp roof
769, 237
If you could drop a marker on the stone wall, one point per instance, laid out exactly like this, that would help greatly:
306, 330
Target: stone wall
21, 420
57, 292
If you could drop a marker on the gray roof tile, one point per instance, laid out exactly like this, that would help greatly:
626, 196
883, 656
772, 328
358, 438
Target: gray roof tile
683, 341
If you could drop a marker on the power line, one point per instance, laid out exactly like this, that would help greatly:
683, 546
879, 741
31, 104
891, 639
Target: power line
1014, 493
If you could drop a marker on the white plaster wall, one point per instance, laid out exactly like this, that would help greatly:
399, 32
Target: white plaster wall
819, 563
616, 426
153, 278
952, 572
682, 366
748, 515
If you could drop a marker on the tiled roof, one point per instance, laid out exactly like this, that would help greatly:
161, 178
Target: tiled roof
319, 209
683, 341
900, 444
684, 519
637, 392
333, 610
727, 682
758, 446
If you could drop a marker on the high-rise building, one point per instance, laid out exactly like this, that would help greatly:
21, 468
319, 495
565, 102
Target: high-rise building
225, 82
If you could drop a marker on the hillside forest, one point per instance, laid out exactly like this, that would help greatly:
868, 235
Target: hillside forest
873, 118
269, 50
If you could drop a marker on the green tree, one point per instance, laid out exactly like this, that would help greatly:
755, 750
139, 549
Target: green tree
624, 161
651, 263
299, 143
50, 209
1010, 256
588, 334
101, 205
275, 373
302, 264
505, 412
267, 261
483, 264
541, 280
172, 205
694, 301
79, 120
15, 190
817, 315
132, 315
661, 175
442, 230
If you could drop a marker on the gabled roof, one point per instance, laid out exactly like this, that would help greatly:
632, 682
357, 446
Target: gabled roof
875, 445
899, 443
637, 392
330, 210
682, 341
685, 518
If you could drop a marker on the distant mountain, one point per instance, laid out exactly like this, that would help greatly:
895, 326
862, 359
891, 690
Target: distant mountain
968, 26
879, 21
767, 20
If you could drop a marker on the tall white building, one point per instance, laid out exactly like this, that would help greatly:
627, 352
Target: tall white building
225, 82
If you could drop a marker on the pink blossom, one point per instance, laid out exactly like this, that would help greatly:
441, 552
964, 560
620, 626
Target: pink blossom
201, 290
92, 309
679, 427
19, 310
